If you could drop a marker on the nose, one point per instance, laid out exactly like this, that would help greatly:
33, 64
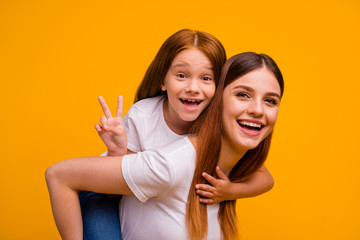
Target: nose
193, 86
256, 108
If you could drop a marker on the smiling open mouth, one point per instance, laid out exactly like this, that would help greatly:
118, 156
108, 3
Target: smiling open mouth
250, 125
190, 103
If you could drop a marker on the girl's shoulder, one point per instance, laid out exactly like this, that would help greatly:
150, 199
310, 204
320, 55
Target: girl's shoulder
148, 105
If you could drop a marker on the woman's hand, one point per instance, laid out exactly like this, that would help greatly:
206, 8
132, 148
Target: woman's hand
112, 131
219, 190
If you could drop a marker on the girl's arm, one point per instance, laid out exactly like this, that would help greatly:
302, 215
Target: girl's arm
64, 179
222, 189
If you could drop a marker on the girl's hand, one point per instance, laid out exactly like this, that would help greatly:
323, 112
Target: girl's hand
218, 191
112, 131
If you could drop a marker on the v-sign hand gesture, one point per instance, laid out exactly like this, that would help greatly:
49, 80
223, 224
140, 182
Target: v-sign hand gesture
112, 130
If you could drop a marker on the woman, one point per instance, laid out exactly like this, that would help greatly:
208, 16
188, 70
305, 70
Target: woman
248, 96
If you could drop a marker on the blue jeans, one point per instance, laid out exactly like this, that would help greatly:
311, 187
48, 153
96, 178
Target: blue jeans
100, 215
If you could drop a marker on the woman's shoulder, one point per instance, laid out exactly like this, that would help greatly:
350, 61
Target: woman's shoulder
180, 147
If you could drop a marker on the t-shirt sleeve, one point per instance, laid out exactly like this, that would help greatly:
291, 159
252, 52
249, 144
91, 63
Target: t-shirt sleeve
148, 174
133, 124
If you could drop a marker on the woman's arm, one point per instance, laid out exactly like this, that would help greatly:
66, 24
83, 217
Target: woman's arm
67, 177
222, 189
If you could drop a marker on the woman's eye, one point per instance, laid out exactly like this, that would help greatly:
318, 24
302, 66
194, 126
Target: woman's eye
181, 75
271, 101
207, 78
242, 95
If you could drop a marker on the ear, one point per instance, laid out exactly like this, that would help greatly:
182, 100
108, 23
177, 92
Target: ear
163, 87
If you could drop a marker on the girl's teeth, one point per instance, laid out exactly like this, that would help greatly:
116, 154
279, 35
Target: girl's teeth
190, 100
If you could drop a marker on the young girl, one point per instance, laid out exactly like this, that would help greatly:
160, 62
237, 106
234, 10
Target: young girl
236, 130
176, 89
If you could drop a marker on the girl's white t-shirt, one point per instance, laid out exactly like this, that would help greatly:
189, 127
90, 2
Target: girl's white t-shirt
146, 127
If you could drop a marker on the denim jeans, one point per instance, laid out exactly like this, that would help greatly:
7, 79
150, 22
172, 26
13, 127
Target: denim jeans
100, 215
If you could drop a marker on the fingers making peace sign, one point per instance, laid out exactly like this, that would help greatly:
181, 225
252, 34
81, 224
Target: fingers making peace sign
111, 130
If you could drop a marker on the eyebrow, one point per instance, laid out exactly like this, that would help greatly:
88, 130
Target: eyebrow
183, 64
250, 89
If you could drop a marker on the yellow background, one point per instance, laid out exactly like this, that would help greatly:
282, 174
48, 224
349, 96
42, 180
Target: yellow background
57, 57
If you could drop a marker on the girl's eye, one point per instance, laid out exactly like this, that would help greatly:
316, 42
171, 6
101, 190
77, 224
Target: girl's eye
271, 101
181, 75
242, 95
207, 78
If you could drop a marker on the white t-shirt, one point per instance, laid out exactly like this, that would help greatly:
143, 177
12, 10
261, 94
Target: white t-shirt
146, 127
160, 180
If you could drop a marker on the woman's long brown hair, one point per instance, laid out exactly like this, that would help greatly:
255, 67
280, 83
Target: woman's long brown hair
208, 127
150, 86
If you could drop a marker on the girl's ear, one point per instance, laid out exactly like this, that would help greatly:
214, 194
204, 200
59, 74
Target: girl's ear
163, 87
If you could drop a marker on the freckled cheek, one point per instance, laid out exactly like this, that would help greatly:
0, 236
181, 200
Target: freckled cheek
213, 92
233, 111
238, 107
209, 91
227, 115
174, 89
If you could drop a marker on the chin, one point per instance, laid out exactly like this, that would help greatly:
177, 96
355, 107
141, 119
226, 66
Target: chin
189, 118
250, 145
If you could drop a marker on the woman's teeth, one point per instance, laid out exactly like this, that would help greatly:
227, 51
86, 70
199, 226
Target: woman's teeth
250, 125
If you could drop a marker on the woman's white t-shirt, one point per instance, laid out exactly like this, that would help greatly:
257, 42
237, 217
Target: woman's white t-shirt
160, 176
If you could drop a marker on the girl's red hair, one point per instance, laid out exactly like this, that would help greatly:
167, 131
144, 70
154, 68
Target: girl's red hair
179, 41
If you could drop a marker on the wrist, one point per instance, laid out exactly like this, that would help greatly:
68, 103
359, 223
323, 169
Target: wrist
237, 190
116, 152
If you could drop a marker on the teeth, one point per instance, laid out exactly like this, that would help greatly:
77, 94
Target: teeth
251, 124
190, 100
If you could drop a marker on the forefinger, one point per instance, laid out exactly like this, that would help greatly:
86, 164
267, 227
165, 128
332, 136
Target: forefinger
104, 107
209, 178
119, 109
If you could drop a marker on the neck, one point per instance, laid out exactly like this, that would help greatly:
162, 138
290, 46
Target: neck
174, 122
229, 155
